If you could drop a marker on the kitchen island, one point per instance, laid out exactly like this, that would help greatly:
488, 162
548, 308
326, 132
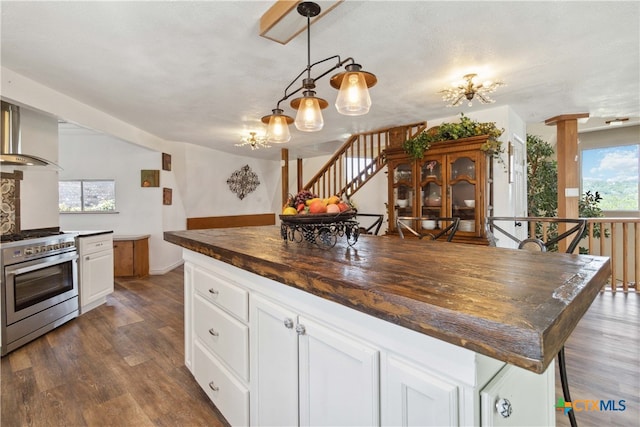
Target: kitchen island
426, 322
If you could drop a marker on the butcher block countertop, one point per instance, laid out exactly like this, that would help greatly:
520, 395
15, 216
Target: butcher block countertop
512, 305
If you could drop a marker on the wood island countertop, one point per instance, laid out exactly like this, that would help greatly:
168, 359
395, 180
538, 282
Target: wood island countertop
512, 305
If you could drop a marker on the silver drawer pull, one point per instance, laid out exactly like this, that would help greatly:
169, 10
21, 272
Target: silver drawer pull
213, 332
300, 329
213, 387
288, 323
213, 291
504, 408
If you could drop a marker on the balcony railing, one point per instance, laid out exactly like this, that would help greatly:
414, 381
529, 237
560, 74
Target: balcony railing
619, 239
616, 238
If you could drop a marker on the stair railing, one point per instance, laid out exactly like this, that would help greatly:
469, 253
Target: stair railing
358, 160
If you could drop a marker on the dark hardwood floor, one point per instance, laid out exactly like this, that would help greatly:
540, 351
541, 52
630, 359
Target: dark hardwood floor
603, 361
122, 364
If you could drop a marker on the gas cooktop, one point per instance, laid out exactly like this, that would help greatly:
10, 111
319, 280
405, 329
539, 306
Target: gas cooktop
30, 234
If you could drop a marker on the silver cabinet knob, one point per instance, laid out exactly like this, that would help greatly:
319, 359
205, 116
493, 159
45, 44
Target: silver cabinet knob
504, 408
300, 329
288, 323
213, 387
213, 332
213, 291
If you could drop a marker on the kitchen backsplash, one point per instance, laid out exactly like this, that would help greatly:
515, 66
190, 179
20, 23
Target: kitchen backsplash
10, 208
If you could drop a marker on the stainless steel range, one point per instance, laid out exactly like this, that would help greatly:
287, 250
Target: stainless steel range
39, 285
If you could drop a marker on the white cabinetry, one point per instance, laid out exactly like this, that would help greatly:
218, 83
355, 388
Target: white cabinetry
309, 372
274, 364
268, 354
417, 397
95, 270
217, 341
516, 397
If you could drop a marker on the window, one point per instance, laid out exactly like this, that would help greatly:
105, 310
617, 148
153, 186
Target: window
613, 172
87, 195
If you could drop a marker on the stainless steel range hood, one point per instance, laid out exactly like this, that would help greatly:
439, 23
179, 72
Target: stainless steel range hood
10, 154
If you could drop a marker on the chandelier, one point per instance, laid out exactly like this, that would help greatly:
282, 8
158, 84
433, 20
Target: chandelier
254, 142
468, 90
353, 96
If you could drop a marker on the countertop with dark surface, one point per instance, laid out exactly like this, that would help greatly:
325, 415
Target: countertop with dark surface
89, 233
512, 305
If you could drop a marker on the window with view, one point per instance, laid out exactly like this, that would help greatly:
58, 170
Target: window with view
613, 172
87, 196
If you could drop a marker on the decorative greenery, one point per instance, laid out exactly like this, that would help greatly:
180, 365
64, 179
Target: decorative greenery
542, 194
542, 176
467, 127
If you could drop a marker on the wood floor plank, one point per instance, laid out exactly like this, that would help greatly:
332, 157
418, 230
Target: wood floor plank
603, 361
123, 364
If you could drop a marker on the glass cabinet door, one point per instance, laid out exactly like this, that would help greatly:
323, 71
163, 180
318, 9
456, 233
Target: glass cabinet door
403, 197
431, 187
462, 200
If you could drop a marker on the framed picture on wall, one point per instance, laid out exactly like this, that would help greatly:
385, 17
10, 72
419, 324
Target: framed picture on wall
166, 162
150, 178
167, 195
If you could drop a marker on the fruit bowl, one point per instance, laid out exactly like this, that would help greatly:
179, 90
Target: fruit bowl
320, 218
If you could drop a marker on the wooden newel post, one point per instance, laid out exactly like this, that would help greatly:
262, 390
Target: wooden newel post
299, 174
284, 164
568, 167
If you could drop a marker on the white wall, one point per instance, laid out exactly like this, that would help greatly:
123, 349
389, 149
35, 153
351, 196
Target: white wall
207, 193
198, 176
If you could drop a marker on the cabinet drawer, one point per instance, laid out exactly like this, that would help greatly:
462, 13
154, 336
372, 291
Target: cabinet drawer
93, 244
222, 293
223, 334
227, 393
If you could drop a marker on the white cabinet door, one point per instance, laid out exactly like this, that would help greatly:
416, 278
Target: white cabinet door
525, 398
274, 364
97, 278
339, 378
415, 397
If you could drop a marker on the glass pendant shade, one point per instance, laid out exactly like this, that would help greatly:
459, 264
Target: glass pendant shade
353, 97
278, 130
309, 116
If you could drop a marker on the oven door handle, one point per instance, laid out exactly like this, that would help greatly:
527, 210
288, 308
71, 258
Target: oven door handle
41, 265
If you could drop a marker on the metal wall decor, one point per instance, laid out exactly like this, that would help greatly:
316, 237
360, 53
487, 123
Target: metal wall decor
243, 181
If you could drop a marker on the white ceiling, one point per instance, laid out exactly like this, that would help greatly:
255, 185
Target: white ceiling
199, 72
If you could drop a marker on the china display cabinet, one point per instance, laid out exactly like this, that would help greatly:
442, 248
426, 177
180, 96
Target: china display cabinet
452, 179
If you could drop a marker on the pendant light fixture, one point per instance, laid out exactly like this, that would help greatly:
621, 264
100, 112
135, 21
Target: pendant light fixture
353, 96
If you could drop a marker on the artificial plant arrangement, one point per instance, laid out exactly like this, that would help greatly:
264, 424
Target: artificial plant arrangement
542, 192
467, 127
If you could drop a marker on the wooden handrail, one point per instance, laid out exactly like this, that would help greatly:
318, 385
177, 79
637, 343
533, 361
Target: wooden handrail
332, 178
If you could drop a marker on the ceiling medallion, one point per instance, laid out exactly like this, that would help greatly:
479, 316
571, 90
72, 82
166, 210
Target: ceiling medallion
255, 142
468, 90
243, 181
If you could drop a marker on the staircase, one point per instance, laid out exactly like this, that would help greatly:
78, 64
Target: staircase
358, 160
